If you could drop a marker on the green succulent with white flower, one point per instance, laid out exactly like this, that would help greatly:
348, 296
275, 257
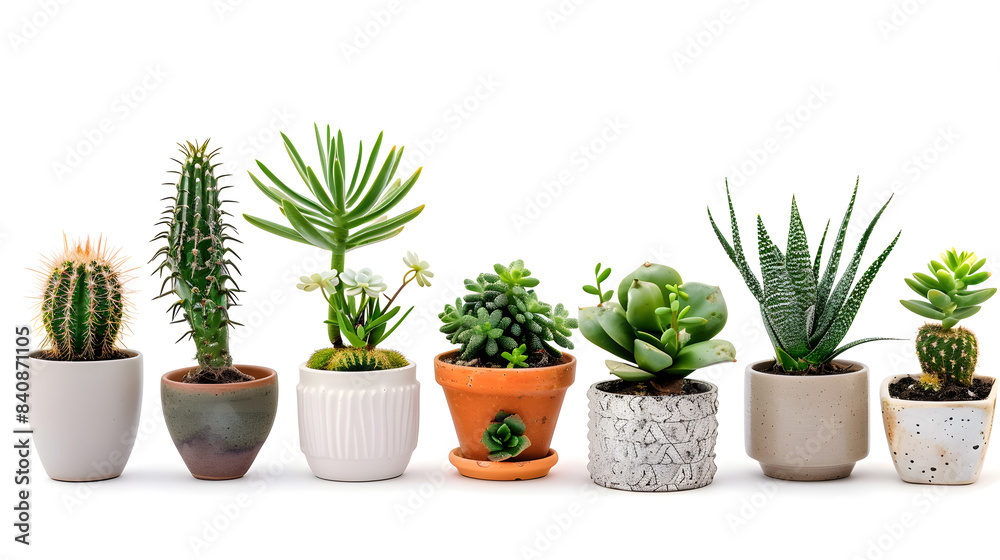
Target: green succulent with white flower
358, 311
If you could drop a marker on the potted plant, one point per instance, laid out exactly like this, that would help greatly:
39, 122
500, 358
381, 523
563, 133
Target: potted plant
505, 385
358, 405
652, 430
806, 411
218, 413
938, 424
86, 390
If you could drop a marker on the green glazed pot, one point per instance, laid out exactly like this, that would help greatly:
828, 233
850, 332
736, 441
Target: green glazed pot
219, 428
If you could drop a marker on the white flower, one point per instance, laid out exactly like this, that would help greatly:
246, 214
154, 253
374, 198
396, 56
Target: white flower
420, 268
325, 280
362, 281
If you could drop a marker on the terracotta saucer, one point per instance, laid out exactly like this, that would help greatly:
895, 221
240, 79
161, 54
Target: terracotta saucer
503, 470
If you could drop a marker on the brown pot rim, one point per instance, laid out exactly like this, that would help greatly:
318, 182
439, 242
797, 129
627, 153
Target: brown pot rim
864, 368
563, 362
172, 379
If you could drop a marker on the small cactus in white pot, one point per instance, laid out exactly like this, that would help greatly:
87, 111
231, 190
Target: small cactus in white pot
938, 423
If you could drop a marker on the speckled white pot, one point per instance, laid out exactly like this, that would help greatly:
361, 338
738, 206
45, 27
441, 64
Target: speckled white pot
652, 443
937, 442
806, 427
358, 426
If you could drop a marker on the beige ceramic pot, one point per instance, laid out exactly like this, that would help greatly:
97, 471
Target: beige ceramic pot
806, 427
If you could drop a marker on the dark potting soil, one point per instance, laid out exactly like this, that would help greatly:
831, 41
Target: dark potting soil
829, 368
535, 360
645, 388
907, 389
209, 376
52, 356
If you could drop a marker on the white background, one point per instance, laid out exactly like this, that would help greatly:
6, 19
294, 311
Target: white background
802, 97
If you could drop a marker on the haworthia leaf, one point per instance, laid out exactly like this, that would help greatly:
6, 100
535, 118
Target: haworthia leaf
850, 345
780, 298
826, 283
819, 253
838, 329
735, 251
799, 266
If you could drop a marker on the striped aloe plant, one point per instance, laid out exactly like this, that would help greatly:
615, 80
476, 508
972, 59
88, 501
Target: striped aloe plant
806, 314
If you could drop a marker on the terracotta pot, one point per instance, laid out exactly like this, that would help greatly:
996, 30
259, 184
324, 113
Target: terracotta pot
85, 415
806, 427
476, 394
941, 442
652, 443
219, 428
358, 426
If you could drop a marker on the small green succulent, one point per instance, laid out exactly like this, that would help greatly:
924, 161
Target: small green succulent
517, 357
504, 437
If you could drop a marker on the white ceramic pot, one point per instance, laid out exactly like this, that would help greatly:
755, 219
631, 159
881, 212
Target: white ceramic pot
806, 427
942, 442
85, 415
358, 426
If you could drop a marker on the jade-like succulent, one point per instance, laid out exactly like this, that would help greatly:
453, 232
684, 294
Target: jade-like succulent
197, 259
342, 214
662, 328
501, 313
504, 437
83, 304
806, 314
944, 348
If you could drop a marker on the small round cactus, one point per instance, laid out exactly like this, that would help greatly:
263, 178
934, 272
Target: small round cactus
356, 359
948, 296
83, 303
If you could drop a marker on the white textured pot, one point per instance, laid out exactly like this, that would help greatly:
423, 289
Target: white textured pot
652, 443
358, 426
806, 427
941, 442
85, 415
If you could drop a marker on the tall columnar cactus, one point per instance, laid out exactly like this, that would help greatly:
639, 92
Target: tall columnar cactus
806, 314
83, 302
942, 348
198, 262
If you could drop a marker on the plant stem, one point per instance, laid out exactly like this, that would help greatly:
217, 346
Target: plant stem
405, 282
333, 329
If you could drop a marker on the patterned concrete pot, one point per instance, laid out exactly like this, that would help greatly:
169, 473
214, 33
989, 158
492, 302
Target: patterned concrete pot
940, 442
85, 415
652, 443
219, 428
358, 426
806, 427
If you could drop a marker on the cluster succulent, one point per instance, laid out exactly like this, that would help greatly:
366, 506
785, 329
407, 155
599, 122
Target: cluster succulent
504, 437
344, 212
197, 260
502, 313
806, 314
944, 348
83, 303
662, 328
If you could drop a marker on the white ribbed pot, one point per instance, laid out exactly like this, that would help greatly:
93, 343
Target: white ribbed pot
85, 415
942, 442
806, 427
358, 426
652, 443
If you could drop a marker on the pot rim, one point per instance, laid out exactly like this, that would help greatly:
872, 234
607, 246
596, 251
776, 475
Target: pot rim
270, 377
864, 369
713, 389
409, 365
566, 360
884, 394
132, 355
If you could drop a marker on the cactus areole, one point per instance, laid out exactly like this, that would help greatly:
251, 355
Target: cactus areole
198, 264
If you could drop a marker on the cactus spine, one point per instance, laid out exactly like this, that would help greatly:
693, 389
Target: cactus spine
83, 302
952, 352
198, 262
